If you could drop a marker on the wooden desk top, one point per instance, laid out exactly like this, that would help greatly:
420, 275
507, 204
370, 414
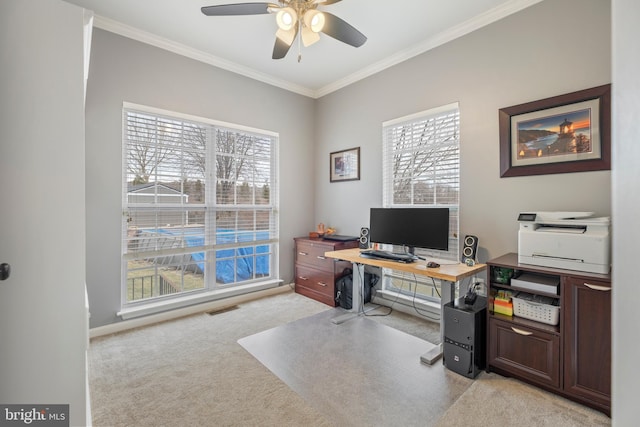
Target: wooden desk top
448, 272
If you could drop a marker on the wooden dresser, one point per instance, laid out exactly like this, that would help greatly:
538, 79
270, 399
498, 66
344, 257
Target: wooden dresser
315, 274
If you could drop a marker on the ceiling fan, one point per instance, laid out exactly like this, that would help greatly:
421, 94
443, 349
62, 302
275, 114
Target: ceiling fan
295, 17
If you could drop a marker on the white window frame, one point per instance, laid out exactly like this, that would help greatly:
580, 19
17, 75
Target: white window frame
208, 208
443, 126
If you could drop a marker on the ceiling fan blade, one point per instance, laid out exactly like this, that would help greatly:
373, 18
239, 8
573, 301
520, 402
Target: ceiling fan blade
238, 9
327, 2
281, 47
341, 30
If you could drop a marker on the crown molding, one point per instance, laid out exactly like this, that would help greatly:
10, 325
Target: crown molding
453, 33
198, 55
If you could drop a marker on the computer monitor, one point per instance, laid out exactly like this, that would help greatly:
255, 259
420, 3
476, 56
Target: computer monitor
426, 228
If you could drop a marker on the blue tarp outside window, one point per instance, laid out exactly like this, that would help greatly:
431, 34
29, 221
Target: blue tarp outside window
232, 265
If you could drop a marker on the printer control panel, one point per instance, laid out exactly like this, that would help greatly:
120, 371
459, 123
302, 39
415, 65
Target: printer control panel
527, 217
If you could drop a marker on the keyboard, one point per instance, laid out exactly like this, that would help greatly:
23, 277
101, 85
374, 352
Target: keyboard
339, 237
386, 255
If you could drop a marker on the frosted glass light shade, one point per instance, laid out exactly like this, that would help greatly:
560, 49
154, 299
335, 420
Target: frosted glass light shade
309, 37
314, 20
286, 18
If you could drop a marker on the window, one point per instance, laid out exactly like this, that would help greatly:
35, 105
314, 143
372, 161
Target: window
199, 205
421, 167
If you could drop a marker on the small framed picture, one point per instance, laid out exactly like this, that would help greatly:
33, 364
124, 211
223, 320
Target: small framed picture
344, 165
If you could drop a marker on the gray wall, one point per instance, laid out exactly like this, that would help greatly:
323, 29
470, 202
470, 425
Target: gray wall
626, 202
43, 318
125, 70
518, 59
527, 56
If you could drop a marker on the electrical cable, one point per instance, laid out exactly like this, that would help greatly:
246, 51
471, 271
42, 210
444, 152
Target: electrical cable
362, 300
396, 298
381, 314
435, 288
413, 301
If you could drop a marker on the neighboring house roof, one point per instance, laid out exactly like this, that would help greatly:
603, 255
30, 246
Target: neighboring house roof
155, 193
150, 188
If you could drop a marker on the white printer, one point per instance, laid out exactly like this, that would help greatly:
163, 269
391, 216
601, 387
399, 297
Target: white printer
570, 240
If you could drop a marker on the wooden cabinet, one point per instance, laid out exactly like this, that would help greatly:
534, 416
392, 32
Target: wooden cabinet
530, 353
572, 358
587, 344
315, 274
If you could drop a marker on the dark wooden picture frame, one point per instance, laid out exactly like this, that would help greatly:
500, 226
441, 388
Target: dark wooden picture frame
529, 146
344, 165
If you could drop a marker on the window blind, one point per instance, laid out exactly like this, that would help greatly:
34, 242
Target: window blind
198, 196
421, 164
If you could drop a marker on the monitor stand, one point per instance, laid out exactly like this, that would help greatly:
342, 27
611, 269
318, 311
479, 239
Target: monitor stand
412, 251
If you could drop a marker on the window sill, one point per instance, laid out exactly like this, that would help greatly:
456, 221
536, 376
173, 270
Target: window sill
192, 299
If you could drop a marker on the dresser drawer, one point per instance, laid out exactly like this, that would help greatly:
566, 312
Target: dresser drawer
312, 254
315, 274
320, 281
316, 284
526, 352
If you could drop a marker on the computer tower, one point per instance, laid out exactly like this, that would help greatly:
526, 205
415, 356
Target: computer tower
465, 336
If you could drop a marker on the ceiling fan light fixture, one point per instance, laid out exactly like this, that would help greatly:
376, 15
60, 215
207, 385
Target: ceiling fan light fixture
286, 18
314, 20
309, 37
295, 19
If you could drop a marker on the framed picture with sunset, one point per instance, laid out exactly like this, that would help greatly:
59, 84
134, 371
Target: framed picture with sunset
565, 133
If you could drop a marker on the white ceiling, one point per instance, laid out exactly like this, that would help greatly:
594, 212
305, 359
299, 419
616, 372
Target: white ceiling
396, 30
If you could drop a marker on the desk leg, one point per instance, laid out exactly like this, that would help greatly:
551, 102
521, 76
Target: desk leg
448, 291
356, 299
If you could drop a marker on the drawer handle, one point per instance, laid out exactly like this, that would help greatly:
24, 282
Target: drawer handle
320, 257
303, 278
597, 288
303, 253
322, 284
521, 332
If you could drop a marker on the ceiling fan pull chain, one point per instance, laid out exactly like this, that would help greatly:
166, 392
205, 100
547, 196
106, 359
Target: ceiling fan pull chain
299, 41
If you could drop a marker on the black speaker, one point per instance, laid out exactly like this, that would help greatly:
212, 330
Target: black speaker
469, 248
364, 238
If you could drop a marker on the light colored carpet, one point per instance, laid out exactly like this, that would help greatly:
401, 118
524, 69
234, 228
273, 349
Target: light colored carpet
192, 372
496, 400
